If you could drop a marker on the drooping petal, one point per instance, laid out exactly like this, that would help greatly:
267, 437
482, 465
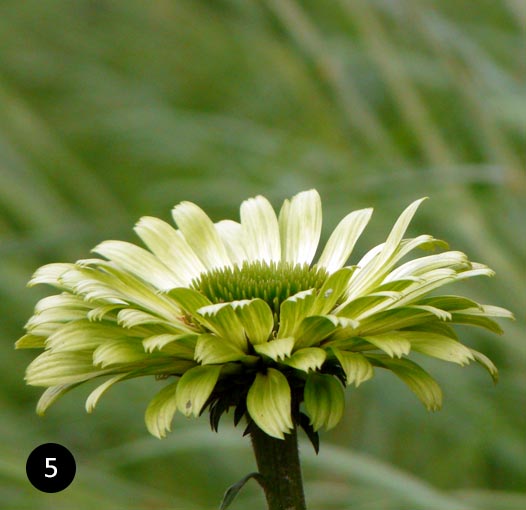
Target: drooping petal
171, 248
256, 317
201, 235
356, 366
324, 400
211, 349
310, 358
391, 343
483, 360
57, 368
160, 411
293, 310
313, 329
341, 243
278, 349
260, 230
438, 346
189, 299
99, 391
222, 320
121, 351
50, 274
52, 394
300, 227
194, 388
416, 378
268, 403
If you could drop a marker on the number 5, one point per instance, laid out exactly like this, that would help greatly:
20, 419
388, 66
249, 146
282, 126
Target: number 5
50, 466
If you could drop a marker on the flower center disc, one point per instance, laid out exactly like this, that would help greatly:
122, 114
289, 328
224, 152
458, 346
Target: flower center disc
273, 282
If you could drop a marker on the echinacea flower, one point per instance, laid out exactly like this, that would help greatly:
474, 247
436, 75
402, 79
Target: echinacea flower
241, 316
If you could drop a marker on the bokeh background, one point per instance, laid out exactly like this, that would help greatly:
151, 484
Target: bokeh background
110, 110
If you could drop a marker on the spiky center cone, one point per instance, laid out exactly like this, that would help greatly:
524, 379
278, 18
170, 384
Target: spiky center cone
273, 282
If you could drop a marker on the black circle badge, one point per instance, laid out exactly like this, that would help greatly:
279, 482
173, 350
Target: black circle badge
50, 467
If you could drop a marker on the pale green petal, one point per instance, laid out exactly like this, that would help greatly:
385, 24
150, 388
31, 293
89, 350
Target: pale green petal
341, 243
161, 410
260, 230
201, 235
310, 358
98, 313
356, 366
119, 352
487, 364
438, 346
58, 368
365, 306
194, 388
437, 312
31, 342
50, 274
98, 392
211, 349
450, 303
331, 291
420, 266
130, 318
222, 320
293, 310
324, 400
37, 323
139, 262
189, 299
159, 342
268, 403
171, 248
179, 346
64, 300
276, 349
83, 336
490, 311
256, 317
391, 343
101, 281
314, 329
300, 227
476, 319
418, 380
397, 318
51, 395
231, 233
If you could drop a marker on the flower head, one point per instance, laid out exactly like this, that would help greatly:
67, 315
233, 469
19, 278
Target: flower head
241, 316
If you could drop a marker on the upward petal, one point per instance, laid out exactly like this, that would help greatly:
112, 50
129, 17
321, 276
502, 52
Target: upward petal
300, 227
231, 233
260, 230
342, 240
170, 247
201, 235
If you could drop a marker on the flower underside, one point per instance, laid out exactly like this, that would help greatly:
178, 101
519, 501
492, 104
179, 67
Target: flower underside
239, 315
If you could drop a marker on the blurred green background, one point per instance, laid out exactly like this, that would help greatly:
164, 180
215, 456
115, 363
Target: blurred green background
110, 110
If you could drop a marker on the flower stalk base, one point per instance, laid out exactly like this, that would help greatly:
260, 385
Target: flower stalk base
279, 464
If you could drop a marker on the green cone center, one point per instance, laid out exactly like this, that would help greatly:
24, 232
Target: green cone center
273, 282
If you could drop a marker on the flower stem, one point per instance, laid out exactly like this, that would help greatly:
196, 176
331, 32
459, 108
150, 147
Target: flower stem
279, 464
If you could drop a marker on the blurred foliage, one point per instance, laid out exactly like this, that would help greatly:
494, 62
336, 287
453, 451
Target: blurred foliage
110, 110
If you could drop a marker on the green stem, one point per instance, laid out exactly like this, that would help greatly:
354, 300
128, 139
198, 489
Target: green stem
279, 464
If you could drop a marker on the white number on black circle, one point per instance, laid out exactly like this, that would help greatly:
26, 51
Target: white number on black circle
50, 466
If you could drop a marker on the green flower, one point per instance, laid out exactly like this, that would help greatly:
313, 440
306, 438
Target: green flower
241, 316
